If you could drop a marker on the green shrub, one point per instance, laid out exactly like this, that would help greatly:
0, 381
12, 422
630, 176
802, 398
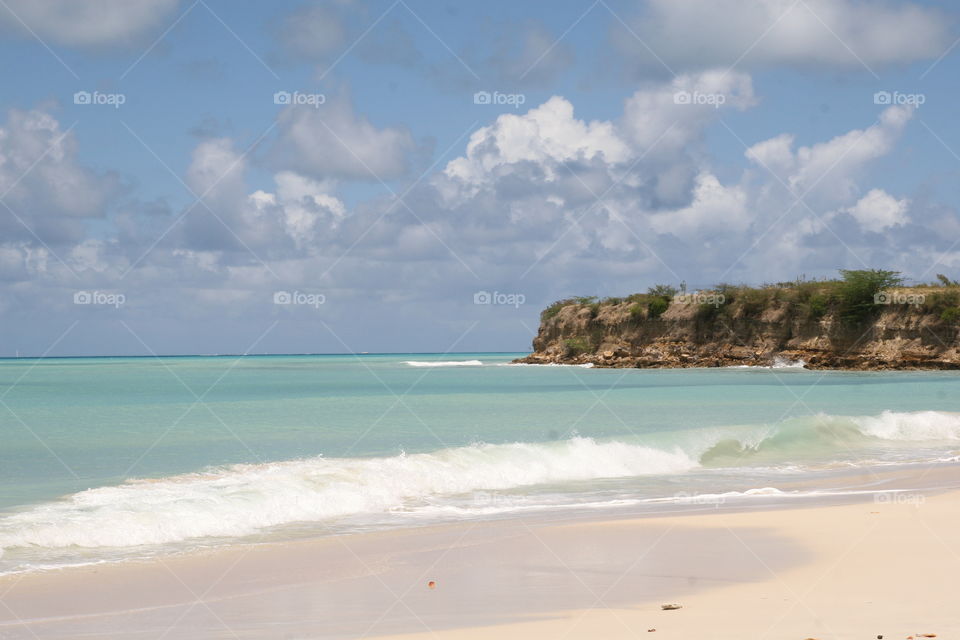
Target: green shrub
657, 306
856, 292
707, 312
818, 304
576, 346
753, 301
951, 315
805, 291
554, 308
594, 309
941, 300
662, 291
729, 292
637, 312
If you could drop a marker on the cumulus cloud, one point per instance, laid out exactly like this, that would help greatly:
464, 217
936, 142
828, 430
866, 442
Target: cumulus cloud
878, 211
653, 147
841, 33
545, 135
542, 202
666, 122
333, 141
537, 177
829, 170
304, 207
43, 181
86, 23
259, 224
715, 207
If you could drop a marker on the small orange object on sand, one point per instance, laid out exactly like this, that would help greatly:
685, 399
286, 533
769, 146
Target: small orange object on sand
432, 584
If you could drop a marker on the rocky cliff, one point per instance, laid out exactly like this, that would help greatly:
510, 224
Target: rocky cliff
903, 329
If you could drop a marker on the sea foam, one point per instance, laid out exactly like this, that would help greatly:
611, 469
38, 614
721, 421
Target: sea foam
244, 499
241, 500
443, 363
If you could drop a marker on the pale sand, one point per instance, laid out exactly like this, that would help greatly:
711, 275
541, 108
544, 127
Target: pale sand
848, 571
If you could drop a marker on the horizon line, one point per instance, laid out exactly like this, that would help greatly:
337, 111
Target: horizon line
266, 355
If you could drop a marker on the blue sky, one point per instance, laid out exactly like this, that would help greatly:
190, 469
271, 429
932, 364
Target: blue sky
399, 198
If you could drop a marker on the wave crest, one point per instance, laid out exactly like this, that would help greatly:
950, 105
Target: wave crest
443, 363
244, 499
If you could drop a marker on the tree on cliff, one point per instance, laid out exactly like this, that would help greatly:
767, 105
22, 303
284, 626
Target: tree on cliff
858, 291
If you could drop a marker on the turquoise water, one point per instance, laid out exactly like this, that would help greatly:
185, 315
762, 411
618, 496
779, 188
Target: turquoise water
113, 455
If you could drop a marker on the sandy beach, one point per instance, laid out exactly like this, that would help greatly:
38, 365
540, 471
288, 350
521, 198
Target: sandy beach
888, 565
406, 319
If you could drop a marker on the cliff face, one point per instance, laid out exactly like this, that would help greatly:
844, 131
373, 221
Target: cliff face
694, 334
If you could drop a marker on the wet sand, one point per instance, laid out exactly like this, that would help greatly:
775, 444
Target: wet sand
887, 566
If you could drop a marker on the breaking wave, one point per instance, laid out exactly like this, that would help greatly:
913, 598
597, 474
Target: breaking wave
241, 500
443, 363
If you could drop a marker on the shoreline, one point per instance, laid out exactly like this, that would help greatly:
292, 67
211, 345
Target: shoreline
523, 576
807, 360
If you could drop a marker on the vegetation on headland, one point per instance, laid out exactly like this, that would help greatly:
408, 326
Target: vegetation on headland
862, 319
856, 297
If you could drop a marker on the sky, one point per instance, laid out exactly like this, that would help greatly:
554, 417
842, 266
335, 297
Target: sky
336, 176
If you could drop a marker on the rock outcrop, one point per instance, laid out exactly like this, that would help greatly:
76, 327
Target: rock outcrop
689, 333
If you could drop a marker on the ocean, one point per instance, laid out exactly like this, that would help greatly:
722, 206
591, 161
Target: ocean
109, 459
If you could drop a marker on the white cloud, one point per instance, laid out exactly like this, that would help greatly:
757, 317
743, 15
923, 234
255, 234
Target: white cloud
845, 33
545, 135
304, 206
665, 123
715, 207
216, 171
828, 170
674, 115
334, 142
878, 211
44, 183
87, 22
296, 215
519, 201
